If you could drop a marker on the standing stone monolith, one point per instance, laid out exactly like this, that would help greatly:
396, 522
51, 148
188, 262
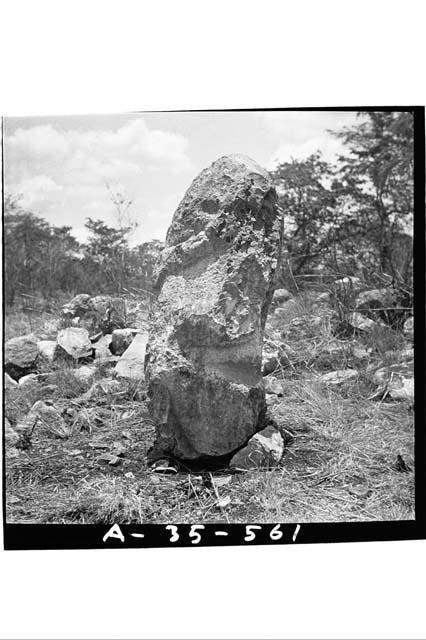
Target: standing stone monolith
215, 281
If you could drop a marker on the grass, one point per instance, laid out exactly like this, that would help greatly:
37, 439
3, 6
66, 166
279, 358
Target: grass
339, 464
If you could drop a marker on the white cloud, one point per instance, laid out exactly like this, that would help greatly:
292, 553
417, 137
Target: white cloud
62, 172
94, 155
35, 190
329, 146
301, 133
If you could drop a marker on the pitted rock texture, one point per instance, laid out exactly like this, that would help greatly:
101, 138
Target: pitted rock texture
20, 356
215, 281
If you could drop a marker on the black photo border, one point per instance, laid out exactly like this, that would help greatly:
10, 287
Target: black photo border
55, 536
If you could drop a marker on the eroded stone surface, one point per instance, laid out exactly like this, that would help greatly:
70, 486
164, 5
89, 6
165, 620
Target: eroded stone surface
20, 356
75, 342
264, 450
215, 280
44, 417
101, 313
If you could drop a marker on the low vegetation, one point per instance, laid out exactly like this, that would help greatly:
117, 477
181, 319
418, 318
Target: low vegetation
340, 462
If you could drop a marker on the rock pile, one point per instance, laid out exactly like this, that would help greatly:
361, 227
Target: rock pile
86, 341
215, 282
101, 313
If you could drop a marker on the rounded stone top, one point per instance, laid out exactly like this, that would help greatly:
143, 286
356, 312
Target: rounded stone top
239, 162
219, 189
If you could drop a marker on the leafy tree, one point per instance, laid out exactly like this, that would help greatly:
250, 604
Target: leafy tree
354, 217
105, 257
377, 182
310, 204
39, 258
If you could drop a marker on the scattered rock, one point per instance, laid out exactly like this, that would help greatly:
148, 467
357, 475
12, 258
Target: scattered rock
338, 377
9, 383
362, 323
49, 330
47, 349
121, 340
395, 381
348, 285
270, 359
384, 374
131, 363
20, 356
75, 342
44, 417
408, 328
101, 313
222, 481
280, 297
215, 281
376, 304
79, 306
406, 354
400, 465
102, 348
360, 490
29, 381
273, 386
401, 388
96, 336
264, 450
110, 313
334, 354
109, 458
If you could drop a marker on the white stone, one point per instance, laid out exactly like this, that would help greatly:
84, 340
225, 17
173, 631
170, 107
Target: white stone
264, 450
131, 363
362, 323
28, 381
47, 349
272, 385
9, 382
339, 376
76, 342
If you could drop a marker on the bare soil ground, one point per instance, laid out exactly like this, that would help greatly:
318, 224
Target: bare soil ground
340, 463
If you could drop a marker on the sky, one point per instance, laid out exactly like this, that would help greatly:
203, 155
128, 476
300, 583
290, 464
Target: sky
62, 166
